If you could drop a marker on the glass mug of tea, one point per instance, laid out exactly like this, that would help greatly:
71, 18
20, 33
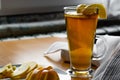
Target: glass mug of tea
81, 23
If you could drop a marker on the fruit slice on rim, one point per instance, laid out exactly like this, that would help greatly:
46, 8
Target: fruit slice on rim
80, 8
95, 9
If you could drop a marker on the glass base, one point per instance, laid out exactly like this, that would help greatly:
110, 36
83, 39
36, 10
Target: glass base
81, 74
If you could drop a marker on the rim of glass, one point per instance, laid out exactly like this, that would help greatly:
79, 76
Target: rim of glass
70, 8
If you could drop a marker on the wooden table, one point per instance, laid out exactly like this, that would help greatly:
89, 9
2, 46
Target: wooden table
20, 51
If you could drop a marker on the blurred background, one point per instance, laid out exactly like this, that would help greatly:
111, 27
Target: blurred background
33, 18
13, 7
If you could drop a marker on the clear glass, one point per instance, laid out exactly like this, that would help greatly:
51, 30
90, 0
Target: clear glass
81, 34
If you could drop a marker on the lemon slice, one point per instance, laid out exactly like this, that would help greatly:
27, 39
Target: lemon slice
32, 65
21, 70
95, 9
80, 8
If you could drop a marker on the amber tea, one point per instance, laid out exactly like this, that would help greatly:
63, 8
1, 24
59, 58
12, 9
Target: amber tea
81, 32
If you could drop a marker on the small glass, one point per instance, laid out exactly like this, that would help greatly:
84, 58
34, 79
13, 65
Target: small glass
81, 31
